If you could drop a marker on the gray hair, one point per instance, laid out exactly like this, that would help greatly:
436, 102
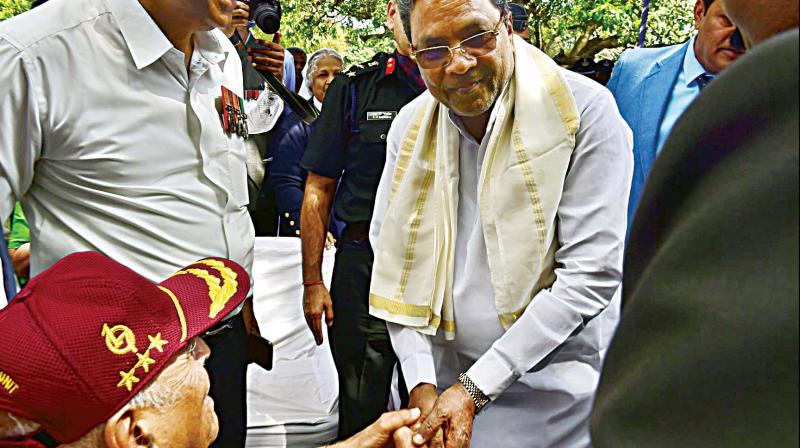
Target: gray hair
313, 61
404, 7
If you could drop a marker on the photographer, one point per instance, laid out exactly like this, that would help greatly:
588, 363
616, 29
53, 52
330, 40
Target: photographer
269, 56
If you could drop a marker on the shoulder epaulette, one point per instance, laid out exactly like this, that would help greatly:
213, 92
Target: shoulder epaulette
357, 70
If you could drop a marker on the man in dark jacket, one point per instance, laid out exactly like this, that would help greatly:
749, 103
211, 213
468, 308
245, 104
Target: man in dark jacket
706, 353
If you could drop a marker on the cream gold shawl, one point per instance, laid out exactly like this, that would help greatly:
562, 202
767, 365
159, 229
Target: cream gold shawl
519, 190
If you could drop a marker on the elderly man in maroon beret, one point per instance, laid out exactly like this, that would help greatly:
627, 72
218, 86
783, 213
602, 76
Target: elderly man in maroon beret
95, 355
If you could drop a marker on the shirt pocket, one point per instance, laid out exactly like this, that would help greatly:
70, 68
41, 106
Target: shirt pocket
375, 131
372, 151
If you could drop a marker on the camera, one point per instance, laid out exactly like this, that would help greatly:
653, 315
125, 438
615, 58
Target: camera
266, 14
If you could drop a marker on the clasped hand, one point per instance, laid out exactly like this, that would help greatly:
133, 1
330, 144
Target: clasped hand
391, 430
446, 420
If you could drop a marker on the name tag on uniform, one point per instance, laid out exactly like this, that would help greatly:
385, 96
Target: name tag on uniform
381, 116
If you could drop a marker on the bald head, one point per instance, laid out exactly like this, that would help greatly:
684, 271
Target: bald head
761, 19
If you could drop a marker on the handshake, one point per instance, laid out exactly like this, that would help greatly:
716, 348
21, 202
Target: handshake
391, 430
447, 423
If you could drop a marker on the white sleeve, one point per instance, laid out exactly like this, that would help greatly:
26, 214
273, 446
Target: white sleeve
592, 219
415, 353
413, 349
20, 125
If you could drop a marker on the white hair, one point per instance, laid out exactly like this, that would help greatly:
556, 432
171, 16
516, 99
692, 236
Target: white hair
159, 394
313, 61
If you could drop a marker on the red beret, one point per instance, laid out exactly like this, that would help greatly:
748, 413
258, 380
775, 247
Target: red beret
86, 335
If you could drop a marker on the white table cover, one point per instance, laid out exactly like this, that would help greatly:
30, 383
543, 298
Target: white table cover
296, 403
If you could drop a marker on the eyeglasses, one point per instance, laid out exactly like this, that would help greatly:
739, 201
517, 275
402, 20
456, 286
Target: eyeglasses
478, 45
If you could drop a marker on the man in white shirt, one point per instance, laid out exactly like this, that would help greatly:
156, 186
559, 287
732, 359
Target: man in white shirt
539, 157
112, 140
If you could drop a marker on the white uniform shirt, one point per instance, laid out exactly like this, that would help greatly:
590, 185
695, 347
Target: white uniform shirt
591, 232
113, 146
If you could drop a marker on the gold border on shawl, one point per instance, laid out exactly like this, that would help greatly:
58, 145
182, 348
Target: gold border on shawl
413, 233
508, 319
447, 325
406, 150
399, 308
416, 220
559, 92
533, 191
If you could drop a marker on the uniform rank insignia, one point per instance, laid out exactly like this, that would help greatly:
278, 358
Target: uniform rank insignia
234, 119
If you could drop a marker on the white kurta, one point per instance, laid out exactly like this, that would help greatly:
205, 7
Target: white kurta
549, 406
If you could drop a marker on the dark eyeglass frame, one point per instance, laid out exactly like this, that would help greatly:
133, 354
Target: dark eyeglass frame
451, 50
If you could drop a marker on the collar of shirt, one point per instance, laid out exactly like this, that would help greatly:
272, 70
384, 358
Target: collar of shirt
410, 70
147, 43
691, 66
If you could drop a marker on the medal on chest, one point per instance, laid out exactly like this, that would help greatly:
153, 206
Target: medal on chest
234, 119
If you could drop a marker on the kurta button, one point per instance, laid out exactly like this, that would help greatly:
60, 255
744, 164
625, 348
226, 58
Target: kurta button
297, 232
291, 223
286, 215
383, 136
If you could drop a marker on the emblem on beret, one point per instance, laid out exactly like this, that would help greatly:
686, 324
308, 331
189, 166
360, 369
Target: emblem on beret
120, 341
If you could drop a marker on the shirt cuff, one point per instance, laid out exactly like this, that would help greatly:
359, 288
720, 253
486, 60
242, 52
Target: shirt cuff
418, 369
415, 352
491, 374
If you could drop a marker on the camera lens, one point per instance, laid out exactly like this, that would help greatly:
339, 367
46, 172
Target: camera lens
267, 15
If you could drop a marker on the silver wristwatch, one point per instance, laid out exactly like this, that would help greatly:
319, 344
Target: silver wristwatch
478, 397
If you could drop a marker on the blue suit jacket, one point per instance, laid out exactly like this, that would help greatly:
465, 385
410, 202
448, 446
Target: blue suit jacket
642, 83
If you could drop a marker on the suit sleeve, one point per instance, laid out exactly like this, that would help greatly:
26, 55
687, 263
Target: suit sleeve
616, 74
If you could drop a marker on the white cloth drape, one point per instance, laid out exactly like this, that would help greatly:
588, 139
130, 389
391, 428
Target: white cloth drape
296, 403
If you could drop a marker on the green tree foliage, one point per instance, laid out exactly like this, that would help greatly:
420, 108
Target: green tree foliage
10, 8
354, 28
572, 29
566, 29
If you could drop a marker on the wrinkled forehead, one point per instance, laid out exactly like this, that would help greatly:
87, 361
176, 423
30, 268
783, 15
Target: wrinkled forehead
443, 22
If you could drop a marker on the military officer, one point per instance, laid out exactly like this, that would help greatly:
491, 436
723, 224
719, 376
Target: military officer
345, 158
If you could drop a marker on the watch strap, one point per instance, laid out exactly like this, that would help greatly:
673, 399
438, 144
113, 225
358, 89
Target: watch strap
478, 397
